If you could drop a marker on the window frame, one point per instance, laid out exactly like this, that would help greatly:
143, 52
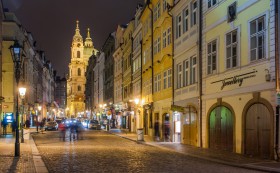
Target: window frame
211, 71
236, 44
265, 37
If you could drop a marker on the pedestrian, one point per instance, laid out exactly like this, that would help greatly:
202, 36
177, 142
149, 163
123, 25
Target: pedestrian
4, 124
14, 126
72, 131
61, 128
27, 123
157, 130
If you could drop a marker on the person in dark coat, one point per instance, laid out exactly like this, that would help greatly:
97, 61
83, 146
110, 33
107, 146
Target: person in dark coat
4, 124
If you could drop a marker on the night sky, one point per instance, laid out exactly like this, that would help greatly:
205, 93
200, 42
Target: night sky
52, 23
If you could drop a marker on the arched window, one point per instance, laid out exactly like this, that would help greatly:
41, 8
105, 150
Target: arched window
79, 88
78, 54
79, 72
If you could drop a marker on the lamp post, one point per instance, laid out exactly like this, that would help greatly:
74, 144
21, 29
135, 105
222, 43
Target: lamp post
39, 113
16, 52
22, 92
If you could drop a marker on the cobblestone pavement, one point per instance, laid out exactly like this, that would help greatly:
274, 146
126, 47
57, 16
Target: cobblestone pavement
11, 164
103, 152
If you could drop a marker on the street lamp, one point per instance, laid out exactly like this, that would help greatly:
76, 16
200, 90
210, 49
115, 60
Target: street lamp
16, 52
39, 113
22, 92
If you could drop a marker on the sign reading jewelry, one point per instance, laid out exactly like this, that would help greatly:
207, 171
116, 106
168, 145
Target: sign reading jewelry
236, 80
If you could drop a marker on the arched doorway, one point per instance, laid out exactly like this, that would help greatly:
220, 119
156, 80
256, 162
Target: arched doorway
258, 131
166, 127
221, 129
190, 126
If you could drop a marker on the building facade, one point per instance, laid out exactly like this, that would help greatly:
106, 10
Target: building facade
80, 53
186, 83
239, 77
118, 76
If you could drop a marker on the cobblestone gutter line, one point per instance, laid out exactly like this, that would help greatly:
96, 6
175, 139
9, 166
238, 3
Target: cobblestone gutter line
40, 166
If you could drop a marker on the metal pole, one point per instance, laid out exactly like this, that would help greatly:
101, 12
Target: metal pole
37, 123
22, 138
17, 144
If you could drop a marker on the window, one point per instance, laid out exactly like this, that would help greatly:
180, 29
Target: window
79, 72
78, 54
79, 88
169, 36
194, 13
178, 26
164, 5
211, 3
157, 11
193, 70
157, 45
211, 57
231, 49
167, 77
179, 75
157, 86
164, 40
257, 39
186, 73
186, 19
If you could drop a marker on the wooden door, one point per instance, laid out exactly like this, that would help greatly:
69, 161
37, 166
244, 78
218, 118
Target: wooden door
258, 131
221, 129
190, 127
145, 122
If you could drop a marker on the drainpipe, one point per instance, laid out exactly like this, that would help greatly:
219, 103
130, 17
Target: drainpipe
200, 71
172, 53
277, 79
152, 45
141, 81
152, 50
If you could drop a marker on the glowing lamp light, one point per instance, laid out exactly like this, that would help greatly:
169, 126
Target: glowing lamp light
22, 92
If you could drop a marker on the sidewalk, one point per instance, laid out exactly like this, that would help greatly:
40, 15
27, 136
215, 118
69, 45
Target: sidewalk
29, 161
218, 156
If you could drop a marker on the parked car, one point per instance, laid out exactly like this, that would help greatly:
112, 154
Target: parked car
51, 125
94, 124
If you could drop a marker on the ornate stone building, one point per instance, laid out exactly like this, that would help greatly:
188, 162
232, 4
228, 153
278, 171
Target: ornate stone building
80, 53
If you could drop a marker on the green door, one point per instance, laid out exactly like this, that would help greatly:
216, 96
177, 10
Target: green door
221, 129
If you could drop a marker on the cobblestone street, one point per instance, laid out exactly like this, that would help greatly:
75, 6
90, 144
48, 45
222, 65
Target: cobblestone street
103, 152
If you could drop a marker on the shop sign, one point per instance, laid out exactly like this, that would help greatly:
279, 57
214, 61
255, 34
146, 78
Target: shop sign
236, 80
177, 108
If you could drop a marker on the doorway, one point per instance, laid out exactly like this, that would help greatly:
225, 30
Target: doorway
258, 131
190, 126
166, 127
221, 129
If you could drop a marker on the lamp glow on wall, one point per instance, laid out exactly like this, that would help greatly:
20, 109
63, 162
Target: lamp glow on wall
22, 92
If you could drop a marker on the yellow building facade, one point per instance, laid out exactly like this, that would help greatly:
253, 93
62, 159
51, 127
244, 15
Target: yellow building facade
146, 86
80, 53
238, 77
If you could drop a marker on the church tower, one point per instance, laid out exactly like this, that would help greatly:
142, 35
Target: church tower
80, 53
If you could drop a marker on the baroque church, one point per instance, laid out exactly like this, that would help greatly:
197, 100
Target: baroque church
80, 54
